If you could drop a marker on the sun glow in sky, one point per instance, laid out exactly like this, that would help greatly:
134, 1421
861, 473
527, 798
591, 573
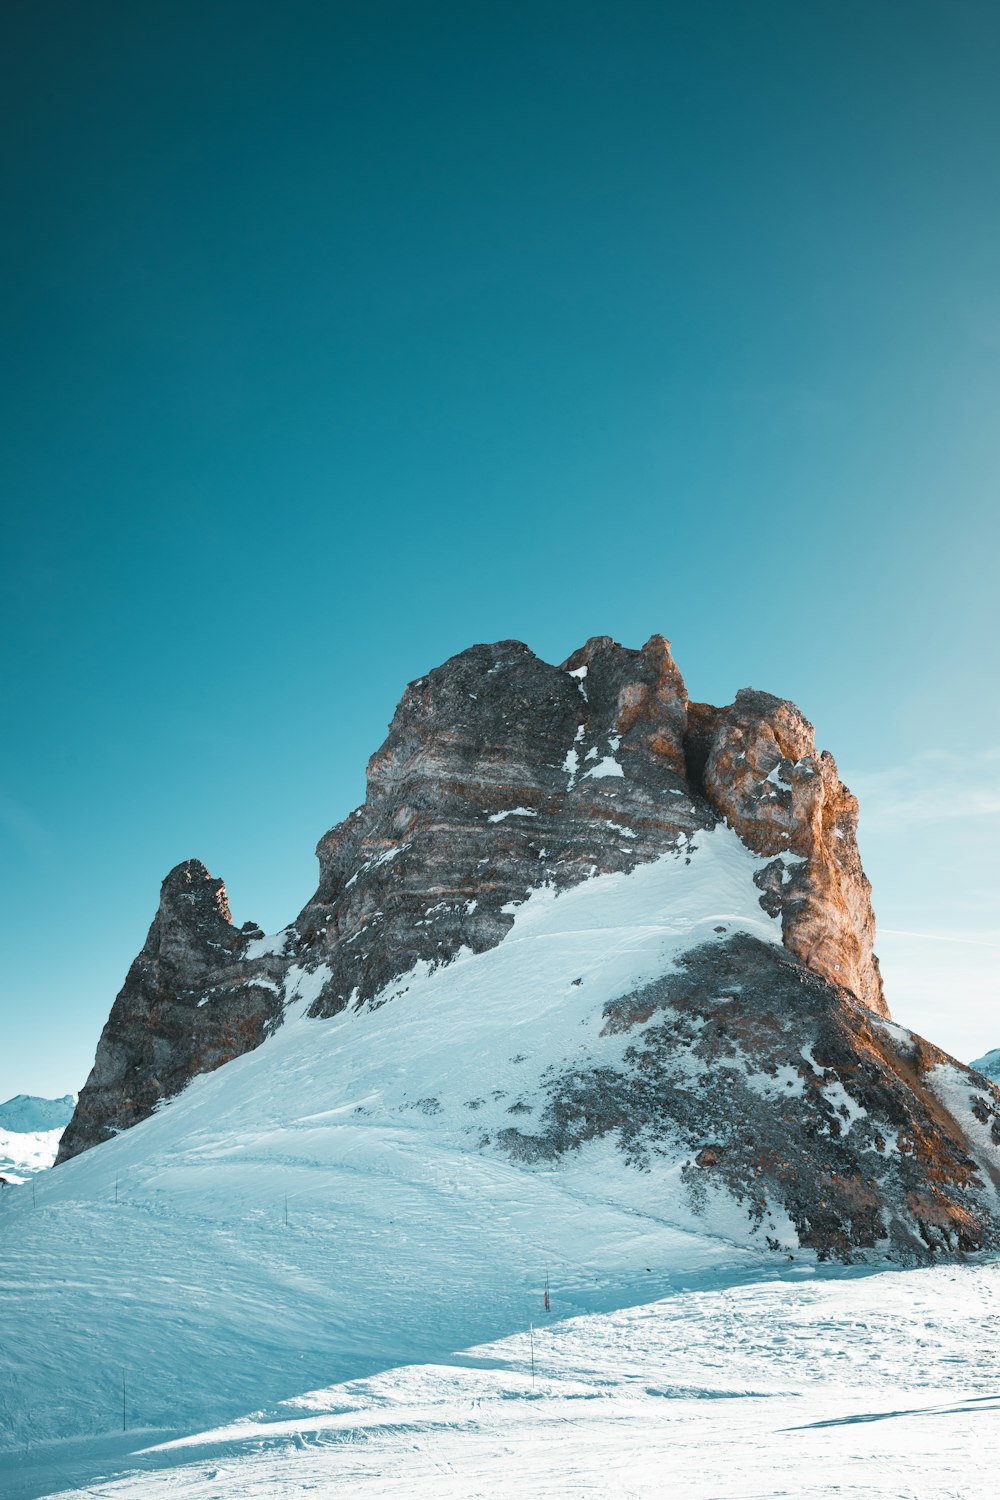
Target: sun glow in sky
337, 338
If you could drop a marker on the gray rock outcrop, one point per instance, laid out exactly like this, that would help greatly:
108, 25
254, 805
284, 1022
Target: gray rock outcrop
191, 1002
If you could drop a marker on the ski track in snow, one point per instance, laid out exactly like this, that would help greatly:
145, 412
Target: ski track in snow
268, 1358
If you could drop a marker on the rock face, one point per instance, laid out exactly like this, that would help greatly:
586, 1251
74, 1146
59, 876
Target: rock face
500, 774
762, 774
191, 1001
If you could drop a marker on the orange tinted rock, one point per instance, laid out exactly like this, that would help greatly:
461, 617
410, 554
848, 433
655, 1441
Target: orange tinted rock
763, 775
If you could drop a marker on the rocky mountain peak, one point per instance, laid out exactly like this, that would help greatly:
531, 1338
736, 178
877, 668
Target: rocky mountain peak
749, 1047
549, 774
500, 773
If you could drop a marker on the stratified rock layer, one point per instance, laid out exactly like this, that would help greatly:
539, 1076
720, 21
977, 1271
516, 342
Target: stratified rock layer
501, 772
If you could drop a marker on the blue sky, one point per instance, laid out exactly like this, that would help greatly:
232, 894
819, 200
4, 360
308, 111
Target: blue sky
336, 338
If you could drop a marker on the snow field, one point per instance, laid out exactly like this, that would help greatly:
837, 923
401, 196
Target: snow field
879, 1385
329, 1215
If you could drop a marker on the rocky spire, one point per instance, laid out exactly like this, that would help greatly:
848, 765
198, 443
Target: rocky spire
190, 1002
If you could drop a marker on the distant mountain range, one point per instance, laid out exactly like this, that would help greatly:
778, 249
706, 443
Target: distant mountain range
30, 1132
988, 1065
26, 1112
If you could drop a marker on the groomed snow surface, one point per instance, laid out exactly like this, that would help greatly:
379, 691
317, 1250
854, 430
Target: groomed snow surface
317, 1275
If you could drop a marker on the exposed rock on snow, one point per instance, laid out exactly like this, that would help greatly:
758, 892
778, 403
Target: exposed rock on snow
787, 1092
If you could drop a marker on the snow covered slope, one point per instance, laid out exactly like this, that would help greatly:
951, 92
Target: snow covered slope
402, 1236
881, 1387
23, 1153
344, 1199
